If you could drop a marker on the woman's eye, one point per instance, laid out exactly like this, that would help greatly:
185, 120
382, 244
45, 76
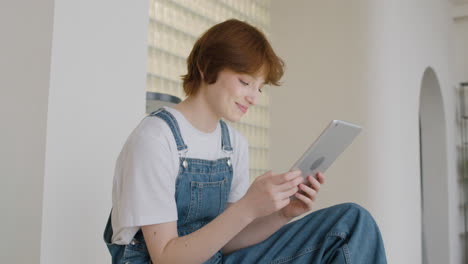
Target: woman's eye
244, 83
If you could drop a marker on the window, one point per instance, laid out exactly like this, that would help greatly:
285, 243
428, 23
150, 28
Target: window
174, 27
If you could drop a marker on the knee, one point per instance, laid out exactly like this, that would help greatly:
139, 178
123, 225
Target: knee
360, 219
349, 212
356, 212
355, 207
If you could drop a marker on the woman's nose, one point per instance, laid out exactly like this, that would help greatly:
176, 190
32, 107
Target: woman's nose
252, 99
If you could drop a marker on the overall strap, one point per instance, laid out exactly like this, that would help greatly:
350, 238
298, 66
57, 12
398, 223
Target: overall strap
172, 123
225, 139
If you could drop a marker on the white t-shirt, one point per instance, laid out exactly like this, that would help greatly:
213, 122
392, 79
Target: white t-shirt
143, 190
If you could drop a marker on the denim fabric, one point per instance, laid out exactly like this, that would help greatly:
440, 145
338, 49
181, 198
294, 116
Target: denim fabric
344, 233
173, 125
133, 253
202, 191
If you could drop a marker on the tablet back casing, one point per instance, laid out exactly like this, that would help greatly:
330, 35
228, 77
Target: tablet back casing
329, 145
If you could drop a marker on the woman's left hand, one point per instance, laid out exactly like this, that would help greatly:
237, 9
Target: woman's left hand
305, 201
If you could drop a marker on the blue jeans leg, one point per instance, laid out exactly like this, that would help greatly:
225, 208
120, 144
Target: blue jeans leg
344, 233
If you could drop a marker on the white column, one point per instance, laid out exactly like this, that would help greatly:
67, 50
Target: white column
96, 97
25, 48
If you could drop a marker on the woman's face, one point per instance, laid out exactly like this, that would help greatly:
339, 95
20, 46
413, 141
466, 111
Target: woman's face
233, 93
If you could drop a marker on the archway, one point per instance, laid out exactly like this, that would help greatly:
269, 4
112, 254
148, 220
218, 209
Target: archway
434, 192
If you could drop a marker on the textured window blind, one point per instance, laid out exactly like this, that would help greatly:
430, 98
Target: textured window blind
174, 27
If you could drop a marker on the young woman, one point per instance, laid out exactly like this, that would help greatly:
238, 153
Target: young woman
181, 189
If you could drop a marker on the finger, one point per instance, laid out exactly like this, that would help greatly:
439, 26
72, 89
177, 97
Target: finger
304, 199
311, 193
290, 184
285, 177
321, 178
288, 193
314, 183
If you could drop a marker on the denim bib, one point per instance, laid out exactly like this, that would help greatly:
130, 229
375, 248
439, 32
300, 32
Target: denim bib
201, 193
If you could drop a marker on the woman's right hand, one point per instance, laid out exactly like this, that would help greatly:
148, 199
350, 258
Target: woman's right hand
270, 192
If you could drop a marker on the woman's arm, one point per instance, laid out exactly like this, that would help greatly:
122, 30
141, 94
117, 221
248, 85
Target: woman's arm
165, 246
267, 194
257, 231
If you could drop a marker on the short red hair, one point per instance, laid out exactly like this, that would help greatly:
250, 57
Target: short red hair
234, 45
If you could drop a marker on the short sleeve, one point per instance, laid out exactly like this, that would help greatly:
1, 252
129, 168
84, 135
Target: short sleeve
146, 193
240, 183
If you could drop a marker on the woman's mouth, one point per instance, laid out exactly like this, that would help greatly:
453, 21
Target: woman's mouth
242, 108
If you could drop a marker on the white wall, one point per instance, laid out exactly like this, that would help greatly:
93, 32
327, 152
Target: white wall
25, 47
324, 45
96, 96
363, 61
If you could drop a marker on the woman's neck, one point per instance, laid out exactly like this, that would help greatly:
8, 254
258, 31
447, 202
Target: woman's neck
198, 113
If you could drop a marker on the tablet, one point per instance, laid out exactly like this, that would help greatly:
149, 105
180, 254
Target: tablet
327, 147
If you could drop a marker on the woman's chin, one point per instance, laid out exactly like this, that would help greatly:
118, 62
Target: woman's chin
233, 118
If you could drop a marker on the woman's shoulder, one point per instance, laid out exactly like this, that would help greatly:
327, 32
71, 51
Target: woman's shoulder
151, 130
152, 126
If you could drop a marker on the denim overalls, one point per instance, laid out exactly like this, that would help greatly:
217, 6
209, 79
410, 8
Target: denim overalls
344, 233
202, 191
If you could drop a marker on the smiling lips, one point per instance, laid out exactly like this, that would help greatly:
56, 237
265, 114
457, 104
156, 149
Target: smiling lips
242, 108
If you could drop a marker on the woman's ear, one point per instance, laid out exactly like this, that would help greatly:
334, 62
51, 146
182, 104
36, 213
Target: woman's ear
201, 73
